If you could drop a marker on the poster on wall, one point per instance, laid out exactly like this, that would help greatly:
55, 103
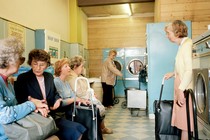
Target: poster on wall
52, 45
17, 31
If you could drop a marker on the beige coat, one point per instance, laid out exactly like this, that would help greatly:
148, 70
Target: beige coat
183, 64
82, 92
183, 80
82, 87
109, 72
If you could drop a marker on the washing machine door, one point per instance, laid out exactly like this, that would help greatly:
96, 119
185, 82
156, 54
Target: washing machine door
135, 66
200, 93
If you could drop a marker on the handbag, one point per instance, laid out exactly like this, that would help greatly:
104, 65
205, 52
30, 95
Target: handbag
87, 115
163, 115
83, 115
32, 127
189, 92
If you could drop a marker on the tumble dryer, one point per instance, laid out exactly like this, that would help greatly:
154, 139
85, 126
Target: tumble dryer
201, 57
201, 71
134, 63
201, 91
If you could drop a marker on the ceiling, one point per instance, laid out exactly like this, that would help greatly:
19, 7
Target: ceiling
116, 8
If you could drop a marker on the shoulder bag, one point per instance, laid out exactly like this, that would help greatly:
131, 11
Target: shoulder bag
32, 127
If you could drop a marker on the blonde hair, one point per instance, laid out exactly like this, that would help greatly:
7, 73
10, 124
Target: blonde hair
112, 51
59, 64
11, 50
179, 28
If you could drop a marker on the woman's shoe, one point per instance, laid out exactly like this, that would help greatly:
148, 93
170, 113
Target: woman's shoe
110, 107
107, 131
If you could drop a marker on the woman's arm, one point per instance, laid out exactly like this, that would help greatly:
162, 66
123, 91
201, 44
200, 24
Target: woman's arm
9, 114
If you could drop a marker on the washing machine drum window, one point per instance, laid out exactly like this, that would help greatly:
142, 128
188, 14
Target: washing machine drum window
200, 93
118, 65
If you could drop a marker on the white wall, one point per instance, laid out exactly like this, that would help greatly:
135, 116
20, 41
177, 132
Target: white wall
52, 15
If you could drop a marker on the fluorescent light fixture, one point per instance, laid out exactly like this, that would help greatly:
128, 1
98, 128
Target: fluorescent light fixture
128, 9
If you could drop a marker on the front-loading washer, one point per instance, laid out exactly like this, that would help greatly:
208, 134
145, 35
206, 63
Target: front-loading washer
202, 91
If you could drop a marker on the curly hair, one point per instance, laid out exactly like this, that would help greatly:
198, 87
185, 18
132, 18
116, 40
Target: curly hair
11, 50
39, 55
59, 64
179, 28
76, 61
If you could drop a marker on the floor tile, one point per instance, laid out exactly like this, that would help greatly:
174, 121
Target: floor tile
127, 126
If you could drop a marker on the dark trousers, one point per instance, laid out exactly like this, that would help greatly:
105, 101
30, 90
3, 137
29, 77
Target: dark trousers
68, 130
107, 95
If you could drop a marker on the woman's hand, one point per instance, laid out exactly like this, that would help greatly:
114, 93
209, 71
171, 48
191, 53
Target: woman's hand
168, 75
57, 104
85, 102
38, 103
180, 98
43, 111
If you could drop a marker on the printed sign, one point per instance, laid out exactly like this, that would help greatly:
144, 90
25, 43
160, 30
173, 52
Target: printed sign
52, 45
17, 31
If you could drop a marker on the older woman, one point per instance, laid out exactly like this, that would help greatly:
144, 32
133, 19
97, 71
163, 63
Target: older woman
40, 85
108, 77
77, 66
11, 51
177, 33
62, 71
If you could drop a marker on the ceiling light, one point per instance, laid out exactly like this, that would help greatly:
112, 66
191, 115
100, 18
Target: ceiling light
127, 8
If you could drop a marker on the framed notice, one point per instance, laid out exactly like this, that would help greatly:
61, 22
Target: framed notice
52, 45
17, 31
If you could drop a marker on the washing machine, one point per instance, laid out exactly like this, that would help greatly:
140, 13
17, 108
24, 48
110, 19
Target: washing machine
201, 75
201, 91
134, 63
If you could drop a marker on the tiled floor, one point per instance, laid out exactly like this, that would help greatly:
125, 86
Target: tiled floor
127, 127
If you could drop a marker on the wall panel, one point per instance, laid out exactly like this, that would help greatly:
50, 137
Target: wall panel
197, 11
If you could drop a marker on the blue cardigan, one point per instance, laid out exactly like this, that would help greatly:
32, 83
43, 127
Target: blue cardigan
9, 110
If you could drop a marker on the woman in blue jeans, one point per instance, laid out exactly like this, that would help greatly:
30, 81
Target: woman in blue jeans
40, 85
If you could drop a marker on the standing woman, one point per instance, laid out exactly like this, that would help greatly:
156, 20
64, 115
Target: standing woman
177, 33
40, 85
108, 77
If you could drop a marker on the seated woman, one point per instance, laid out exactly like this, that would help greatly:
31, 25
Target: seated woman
40, 85
11, 51
77, 66
62, 71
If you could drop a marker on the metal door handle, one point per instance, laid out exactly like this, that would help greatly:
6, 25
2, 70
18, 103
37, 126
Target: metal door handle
207, 45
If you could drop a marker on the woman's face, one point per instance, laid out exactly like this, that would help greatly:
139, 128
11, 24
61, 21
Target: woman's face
112, 56
170, 34
65, 70
38, 67
79, 70
14, 67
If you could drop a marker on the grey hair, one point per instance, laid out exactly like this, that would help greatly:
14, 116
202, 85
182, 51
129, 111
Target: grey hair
11, 50
76, 61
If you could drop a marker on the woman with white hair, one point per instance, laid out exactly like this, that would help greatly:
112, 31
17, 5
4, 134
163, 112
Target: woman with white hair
11, 50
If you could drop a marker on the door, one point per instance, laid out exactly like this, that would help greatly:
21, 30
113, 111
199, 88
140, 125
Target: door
161, 59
